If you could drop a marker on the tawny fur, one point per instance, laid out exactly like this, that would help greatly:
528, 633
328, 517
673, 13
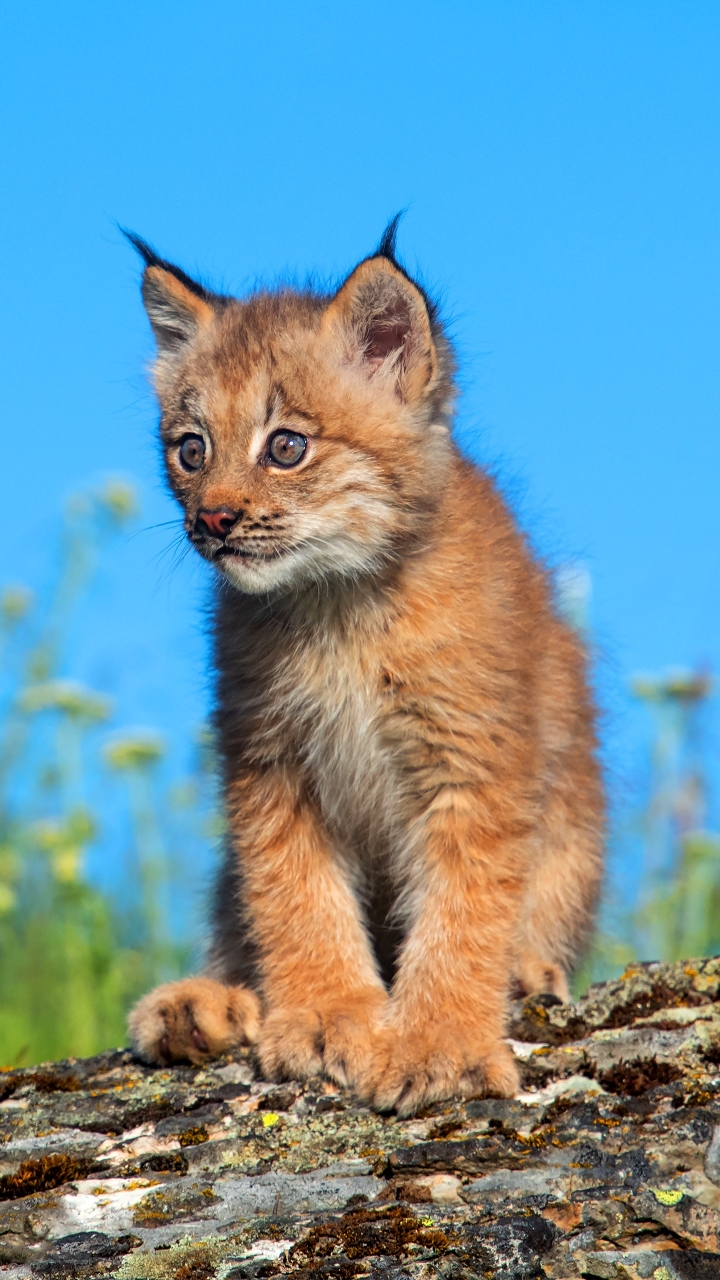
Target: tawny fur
404, 723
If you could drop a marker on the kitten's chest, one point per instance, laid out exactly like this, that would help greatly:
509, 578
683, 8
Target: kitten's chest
335, 714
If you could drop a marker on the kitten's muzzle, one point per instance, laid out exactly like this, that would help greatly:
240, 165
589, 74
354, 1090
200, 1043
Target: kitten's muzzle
216, 523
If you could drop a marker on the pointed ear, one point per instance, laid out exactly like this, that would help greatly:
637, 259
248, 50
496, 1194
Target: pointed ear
177, 306
383, 321
175, 312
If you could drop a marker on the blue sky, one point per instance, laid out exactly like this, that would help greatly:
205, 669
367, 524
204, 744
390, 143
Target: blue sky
560, 166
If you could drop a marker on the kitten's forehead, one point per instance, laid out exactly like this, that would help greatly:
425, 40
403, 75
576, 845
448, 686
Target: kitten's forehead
259, 329
240, 365
234, 402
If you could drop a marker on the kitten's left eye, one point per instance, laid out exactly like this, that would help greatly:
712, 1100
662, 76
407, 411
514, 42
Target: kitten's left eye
286, 448
192, 452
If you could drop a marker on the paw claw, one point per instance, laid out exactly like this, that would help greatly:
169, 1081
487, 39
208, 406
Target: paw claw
199, 1040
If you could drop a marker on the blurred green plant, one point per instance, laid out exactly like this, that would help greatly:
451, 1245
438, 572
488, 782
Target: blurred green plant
676, 911
74, 954
671, 909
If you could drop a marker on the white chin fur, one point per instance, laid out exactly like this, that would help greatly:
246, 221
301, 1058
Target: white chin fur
257, 577
295, 568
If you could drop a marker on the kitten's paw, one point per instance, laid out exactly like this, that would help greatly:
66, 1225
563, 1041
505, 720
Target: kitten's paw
352, 1039
539, 976
291, 1044
421, 1068
297, 1043
193, 1020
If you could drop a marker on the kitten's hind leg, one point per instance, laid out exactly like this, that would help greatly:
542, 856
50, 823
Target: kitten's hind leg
193, 1020
557, 916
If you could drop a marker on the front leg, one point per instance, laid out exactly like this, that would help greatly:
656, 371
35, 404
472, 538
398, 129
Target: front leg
446, 1019
323, 996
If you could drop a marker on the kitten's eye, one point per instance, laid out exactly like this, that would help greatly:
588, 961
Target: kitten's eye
192, 452
286, 448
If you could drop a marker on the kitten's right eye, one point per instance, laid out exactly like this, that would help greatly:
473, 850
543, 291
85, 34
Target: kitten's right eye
192, 452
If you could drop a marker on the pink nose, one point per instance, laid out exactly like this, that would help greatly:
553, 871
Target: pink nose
217, 523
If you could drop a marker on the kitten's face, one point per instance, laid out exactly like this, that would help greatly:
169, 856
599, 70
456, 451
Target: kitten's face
305, 437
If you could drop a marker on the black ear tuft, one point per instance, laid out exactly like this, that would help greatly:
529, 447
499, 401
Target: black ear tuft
176, 305
386, 247
152, 259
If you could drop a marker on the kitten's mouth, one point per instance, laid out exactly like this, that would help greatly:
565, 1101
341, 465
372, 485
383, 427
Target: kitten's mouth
247, 554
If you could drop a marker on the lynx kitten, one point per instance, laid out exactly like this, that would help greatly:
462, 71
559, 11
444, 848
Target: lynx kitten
407, 741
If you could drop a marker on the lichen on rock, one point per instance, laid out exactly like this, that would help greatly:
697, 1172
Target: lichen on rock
607, 1163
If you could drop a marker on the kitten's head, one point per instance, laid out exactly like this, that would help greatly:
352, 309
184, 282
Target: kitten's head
306, 436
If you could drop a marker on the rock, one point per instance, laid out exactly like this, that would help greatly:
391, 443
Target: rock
607, 1163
